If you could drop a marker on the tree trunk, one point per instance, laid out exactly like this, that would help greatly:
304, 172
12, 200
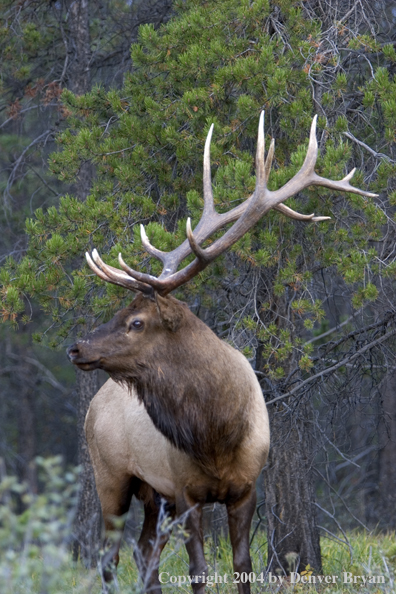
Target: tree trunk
293, 537
87, 525
79, 47
387, 454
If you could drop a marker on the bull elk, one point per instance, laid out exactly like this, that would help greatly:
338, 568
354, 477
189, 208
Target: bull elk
183, 416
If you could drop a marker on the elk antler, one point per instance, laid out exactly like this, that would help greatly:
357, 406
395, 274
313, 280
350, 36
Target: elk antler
246, 216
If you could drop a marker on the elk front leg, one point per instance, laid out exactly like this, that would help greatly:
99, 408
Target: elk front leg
115, 498
192, 511
151, 543
240, 516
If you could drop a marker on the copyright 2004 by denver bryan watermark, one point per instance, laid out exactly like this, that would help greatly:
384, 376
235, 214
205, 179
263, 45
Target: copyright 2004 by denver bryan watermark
345, 577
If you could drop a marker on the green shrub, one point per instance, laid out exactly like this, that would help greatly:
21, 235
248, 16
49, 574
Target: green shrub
35, 532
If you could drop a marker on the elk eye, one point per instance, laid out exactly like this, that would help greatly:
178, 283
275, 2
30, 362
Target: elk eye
136, 325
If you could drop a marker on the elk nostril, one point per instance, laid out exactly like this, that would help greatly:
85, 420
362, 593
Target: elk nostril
73, 351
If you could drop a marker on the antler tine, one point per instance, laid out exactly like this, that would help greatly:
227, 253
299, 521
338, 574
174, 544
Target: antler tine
197, 250
143, 277
153, 251
113, 275
292, 214
207, 177
95, 268
312, 152
261, 179
268, 161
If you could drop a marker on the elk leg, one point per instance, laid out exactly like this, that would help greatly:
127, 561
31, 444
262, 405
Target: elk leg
115, 501
151, 543
197, 568
240, 514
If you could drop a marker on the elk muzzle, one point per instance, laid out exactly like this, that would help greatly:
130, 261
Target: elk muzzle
75, 352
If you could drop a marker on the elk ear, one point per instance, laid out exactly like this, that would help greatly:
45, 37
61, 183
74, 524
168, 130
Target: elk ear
170, 312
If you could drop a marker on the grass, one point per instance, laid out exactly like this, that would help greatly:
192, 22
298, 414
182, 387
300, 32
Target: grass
372, 555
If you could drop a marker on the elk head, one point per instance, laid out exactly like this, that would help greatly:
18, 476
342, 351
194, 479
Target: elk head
133, 331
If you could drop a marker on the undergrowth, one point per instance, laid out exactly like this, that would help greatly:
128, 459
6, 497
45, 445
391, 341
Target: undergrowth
35, 537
